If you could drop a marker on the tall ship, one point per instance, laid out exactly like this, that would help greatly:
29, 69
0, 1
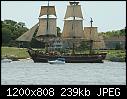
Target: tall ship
73, 35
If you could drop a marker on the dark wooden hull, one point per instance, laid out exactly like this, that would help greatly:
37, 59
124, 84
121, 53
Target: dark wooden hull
79, 58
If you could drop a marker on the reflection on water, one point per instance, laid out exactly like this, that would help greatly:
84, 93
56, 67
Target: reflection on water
26, 72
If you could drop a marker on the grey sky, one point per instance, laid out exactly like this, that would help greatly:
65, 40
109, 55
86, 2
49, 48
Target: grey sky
107, 15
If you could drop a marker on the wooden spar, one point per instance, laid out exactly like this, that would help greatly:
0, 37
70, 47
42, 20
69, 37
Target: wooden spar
73, 29
46, 43
91, 41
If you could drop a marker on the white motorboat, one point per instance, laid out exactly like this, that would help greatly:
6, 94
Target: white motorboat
6, 60
57, 61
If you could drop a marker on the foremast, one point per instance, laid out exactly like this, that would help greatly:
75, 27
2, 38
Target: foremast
47, 25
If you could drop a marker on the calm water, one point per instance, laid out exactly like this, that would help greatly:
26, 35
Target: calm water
26, 72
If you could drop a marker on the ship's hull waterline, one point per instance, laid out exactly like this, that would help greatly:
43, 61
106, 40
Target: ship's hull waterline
82, 58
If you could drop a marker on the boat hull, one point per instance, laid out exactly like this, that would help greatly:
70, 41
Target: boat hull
81, 58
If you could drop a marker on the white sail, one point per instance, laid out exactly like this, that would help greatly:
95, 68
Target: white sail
73, 29
50, 10
27, 36
73, 11
47, 28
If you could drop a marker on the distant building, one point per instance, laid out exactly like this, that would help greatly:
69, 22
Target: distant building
115, 42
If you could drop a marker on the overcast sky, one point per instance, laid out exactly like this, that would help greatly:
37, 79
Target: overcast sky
107, 15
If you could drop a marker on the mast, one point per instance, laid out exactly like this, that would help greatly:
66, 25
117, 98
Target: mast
47, 25
91, 33
45, 29
47, 16
91, 41
46, 43
73, 28
73, 24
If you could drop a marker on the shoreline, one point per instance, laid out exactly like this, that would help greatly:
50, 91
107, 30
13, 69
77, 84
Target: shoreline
16, 54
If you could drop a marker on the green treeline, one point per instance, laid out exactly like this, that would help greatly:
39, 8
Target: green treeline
113, 33
11, 30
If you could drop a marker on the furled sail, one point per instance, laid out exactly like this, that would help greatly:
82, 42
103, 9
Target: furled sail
73, 11
50, 10
47, 28
27, 36
73, 29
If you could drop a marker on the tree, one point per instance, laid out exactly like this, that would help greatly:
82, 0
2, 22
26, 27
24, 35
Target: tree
10, 22
6, 36
122, 32
114, 33
1, 22
21, 24
58, 32
11, 30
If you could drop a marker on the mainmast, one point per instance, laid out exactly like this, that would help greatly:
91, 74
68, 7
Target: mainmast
47, 16
73, 24
46, 42
73, 27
